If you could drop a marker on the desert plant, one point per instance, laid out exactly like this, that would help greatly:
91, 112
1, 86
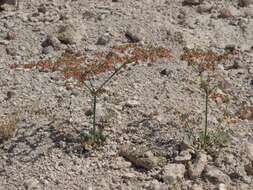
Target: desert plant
204, 85
207, 138
96, 136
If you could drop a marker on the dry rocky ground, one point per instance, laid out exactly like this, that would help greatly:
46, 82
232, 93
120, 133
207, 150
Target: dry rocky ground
152, 112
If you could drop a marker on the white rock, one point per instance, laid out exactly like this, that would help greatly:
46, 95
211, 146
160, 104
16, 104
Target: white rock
133, 34
71, 32
249, 150
139, 158
249, 11
103, 40
172, 173
216, 176
51, 41
129, 175
4, 42
196, 168
184, 156
8, 4
196, 187
68, 35
222, 186
205, 7
32, 184
132, 103
155, 185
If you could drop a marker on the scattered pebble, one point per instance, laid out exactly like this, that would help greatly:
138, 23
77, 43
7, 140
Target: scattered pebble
173, 173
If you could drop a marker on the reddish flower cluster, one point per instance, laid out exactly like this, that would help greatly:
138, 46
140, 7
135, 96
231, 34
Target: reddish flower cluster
75, 66
205, 60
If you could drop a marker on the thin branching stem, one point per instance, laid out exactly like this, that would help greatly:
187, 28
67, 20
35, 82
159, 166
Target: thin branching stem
206, 116
92, 86
94, 92
94, 114
110, 77
87, 86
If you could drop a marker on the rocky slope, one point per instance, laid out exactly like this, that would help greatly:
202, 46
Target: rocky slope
152, 112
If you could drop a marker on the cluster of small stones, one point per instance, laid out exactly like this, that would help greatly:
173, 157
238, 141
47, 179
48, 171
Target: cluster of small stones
185, 167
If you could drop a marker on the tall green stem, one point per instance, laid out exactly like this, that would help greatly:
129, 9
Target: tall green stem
94, 92
206, 115
94, 114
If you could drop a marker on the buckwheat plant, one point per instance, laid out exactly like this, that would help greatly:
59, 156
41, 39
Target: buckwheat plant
96, 136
